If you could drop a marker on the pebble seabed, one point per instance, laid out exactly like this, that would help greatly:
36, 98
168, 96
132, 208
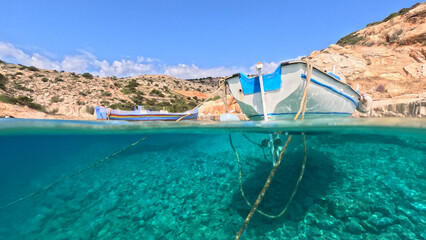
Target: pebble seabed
185, 186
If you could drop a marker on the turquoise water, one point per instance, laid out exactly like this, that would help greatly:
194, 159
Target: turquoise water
364, 179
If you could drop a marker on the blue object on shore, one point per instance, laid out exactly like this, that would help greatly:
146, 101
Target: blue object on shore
139, 114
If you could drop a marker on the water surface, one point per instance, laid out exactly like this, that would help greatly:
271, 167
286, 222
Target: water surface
364, 178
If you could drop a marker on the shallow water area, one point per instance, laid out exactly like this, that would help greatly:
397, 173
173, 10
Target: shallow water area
364, 178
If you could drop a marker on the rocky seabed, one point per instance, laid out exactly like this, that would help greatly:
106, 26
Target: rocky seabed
352, 189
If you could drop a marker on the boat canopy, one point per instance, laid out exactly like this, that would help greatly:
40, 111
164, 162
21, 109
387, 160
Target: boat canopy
270, 82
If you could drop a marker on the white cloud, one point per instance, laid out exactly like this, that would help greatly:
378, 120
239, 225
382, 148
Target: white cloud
270, 67
193, 71
147, 59
84, 61
77, 63
123, 68
10, 52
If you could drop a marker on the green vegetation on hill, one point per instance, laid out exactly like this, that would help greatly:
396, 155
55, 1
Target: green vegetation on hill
3, 81
181, 105
23, 101
350, 39
395, 14
354, 38
87, 75
400, 12
156, 92
31, 68
130, 88
123, 105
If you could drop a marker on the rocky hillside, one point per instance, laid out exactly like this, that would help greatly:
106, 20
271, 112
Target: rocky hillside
71, 95
387, 58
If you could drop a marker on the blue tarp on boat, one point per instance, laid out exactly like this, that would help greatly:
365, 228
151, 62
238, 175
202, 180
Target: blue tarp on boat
270, 82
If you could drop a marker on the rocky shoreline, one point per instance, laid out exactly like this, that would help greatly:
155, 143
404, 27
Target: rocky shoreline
410, 105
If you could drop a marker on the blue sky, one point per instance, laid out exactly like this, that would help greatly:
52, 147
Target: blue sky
181, 38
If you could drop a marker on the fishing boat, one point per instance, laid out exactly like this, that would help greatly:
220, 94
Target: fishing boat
278, 95
140, 114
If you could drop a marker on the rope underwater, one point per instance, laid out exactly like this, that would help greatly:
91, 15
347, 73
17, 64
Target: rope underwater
74, 174
242, 190
302, 110
259, 145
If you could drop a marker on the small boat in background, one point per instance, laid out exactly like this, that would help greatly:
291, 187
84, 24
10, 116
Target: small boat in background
278, 95
140, 114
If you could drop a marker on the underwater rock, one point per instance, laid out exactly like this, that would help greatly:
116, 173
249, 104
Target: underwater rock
369, 227
419, 219
101, 233
384, 222
363, 203
407, 212
148, 214
423, 234
385, 209
312, 232
340, 209
412, 214
310, 219
328, 222
354, 227
396, 185
405, 222
38, 221
362, 215
373, 219
407, 234
389, 236
419, 206
137, 217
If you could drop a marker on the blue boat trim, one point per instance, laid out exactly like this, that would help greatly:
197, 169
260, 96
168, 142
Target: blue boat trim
333, 89
334, 75
252, 85
275, 114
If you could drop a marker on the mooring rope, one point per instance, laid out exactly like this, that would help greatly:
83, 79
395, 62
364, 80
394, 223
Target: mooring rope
259, 145
241, 185
74, 174
302, 109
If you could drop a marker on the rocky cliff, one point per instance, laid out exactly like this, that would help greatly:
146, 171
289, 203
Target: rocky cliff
386, 59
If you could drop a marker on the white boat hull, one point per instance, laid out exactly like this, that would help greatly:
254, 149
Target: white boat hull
327, 96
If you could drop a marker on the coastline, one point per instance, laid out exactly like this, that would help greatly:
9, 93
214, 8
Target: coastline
408, 105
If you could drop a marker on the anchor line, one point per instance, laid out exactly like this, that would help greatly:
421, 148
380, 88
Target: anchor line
259, 145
